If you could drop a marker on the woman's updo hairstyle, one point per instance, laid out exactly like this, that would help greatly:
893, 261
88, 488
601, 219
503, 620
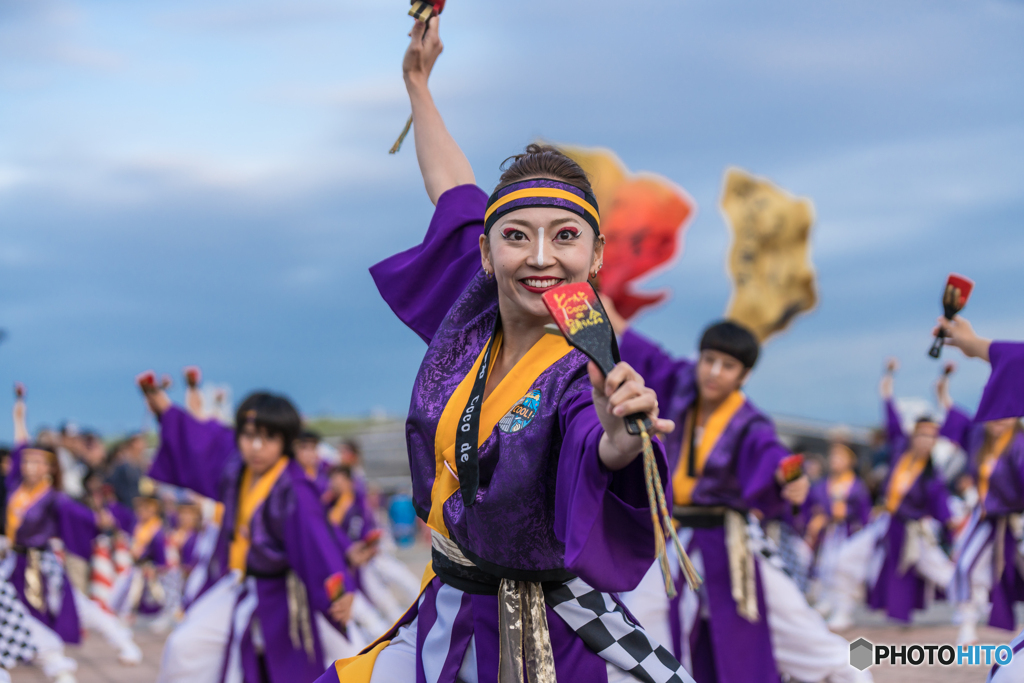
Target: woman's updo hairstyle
543, 161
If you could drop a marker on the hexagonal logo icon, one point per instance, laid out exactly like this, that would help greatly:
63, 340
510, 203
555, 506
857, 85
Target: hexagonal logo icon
861, 652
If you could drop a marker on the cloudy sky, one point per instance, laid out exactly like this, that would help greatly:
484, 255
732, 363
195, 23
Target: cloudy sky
207, 181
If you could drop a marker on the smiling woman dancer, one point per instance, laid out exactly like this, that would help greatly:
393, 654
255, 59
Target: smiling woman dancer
544, 512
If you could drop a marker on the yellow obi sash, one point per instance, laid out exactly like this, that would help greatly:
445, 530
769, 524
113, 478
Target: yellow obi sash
250, 497
682, 483
19, 504
142, 534
838, 493
339, 509
989, 460
542, 355
908, 469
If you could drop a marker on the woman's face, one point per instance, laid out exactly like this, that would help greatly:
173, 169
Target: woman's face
532, 250
35, 466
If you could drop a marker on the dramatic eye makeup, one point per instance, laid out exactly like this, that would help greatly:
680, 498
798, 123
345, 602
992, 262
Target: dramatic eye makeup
514, 234
567, 233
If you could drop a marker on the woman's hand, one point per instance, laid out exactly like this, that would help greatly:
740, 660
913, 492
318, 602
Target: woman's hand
961, 334
619, 394
424, 48
341, 609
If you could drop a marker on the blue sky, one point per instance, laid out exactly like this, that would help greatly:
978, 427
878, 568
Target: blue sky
207, 182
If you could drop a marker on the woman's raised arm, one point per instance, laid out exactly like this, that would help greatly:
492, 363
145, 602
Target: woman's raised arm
442, 162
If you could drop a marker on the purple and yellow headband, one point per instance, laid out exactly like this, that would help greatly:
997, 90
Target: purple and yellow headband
542, 192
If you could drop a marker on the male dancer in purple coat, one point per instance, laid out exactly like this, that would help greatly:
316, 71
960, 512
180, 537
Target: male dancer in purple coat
273, 614
989, 564
897, 555
734, 470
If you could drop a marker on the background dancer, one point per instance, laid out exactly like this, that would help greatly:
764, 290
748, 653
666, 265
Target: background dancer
38, 511
727, 461
276, 608
838, 506
988, 565
899, 552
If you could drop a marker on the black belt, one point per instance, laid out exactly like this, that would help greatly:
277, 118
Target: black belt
23, 549
266, 575
701, 517
475, 581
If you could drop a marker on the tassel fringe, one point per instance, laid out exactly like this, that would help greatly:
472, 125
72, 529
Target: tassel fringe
401, 138
656, 497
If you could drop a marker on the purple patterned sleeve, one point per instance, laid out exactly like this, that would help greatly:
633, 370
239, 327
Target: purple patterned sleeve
602, 516
193, 454
1004, 392
422, 283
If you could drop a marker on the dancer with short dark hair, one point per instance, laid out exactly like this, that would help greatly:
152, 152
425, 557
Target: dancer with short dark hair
283, 584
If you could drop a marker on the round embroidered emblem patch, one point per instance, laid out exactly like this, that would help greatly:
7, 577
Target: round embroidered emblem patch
521, 413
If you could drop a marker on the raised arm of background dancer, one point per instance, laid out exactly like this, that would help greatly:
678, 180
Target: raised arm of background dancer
21, 434
193, 454
660, 371
442, 162
894, 434
13, 479
313, 550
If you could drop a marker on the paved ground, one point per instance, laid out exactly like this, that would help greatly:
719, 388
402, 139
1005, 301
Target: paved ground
98, 663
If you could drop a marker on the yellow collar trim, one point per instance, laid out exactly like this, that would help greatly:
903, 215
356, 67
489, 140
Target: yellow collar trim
682, 483
542, 355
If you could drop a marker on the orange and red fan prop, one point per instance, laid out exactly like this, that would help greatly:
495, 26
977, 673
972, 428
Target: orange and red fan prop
643, 217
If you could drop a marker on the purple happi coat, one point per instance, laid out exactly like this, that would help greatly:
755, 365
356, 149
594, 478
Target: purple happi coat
740, 474
1006, 484
288, 533
546, 507
356, 523
900, 594
858, 506
54, 515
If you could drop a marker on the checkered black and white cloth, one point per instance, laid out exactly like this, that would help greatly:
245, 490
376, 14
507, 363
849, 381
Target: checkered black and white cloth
605, 628
15, 637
